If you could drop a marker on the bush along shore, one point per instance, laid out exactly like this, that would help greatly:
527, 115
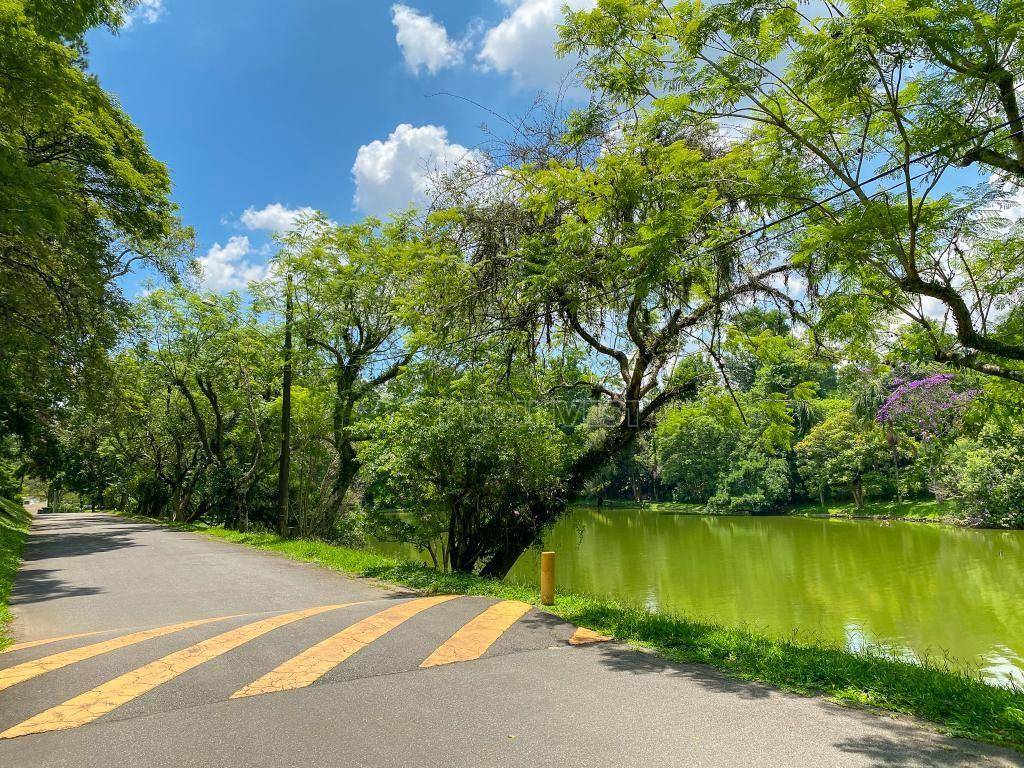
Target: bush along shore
14, 523
913, 511
958, 701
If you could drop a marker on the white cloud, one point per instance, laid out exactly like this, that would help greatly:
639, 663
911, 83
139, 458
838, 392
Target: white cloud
1013, 202
522, 44
147, 12
393, 173
425, 43
933, 308
274, 217
1009, 202
224, 267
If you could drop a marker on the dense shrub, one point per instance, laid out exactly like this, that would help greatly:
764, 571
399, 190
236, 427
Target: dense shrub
10, 483
757, 484
988, 475
456, 476
696, 441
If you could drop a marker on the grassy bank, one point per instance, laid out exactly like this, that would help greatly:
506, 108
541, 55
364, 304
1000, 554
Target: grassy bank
959, 703
14, 522
666, 507
923, 511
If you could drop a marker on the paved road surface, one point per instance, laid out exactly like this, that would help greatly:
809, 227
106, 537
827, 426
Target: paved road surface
175, 650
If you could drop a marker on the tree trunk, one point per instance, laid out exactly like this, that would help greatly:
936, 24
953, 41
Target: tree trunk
348, 467
581, 471
857, 488
505, 557
464, 542
344, 404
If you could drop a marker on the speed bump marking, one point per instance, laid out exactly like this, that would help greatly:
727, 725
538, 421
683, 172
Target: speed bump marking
110, 695
478, 634
584, 636
26, 671
316, 661
47, 641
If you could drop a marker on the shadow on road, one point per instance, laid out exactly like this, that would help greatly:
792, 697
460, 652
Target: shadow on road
637, 663
908, 747
913, 751
36, 585
65, 543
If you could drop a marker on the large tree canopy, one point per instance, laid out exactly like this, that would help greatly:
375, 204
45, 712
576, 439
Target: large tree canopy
864, 117
349, 285
623, 260
81, 202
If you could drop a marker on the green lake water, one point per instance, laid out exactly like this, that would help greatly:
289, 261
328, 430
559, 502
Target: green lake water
915, 589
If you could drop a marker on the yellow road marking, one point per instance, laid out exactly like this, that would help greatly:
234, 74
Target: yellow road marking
111, 695
478, 634
34, 643
315, 662
26, 671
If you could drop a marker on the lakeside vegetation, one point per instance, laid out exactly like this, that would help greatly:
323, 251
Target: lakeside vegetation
14, 523
924, 510
762, 266
916, 510
957, 701
718, 279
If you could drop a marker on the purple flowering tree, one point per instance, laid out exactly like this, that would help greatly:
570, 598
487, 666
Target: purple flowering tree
930, 410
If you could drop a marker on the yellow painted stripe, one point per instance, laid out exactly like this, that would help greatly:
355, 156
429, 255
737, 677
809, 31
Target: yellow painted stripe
47, 641
313, 663
111, 695
22, 672
478, 634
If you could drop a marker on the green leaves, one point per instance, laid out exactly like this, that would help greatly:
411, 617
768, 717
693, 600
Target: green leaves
841, 453
81, 202
468, 466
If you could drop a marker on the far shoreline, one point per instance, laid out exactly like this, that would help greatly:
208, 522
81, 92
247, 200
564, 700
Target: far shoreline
912, 511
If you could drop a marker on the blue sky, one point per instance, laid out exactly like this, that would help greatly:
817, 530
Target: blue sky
261, 108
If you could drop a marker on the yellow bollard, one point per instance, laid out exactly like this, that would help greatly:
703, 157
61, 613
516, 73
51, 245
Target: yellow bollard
547, 578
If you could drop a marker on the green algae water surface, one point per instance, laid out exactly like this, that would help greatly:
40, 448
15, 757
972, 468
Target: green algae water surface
915, 589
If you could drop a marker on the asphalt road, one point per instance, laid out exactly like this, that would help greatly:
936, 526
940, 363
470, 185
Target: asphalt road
176, 650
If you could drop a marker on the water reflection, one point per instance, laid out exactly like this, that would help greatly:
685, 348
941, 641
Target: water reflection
917, 590
914, 590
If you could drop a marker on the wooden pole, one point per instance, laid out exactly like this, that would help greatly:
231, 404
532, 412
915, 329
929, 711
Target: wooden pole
547, 578
284, 468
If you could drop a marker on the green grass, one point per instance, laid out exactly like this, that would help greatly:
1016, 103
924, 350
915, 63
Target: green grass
673, 507
14, 522
958, 702
926, 510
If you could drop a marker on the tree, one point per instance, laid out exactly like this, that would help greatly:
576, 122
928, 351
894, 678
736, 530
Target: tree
758, 480
929, 410
989, 476
617, 259
466, 467
82, 202
840, 452
348, 285
218, 370
870, 102
696, 441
